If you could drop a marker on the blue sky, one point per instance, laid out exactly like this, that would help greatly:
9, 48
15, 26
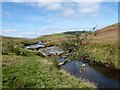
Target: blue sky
33, 19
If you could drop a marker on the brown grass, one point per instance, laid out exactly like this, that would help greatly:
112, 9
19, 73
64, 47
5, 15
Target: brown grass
107, 34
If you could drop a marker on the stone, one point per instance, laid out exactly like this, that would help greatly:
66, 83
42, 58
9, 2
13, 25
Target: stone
35, 46
48, 51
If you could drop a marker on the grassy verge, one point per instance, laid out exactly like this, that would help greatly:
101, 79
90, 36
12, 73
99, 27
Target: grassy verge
36, 72
104, 52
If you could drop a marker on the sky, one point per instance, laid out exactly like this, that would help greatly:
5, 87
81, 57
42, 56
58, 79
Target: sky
33, 19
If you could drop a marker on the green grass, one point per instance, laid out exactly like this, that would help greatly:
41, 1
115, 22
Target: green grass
104, 52
36, 72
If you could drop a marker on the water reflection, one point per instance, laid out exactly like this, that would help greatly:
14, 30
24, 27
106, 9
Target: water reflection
103, 77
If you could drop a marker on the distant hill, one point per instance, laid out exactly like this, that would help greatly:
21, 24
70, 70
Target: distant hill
74, 32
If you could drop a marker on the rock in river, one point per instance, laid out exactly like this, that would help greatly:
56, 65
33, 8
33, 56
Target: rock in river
54, 50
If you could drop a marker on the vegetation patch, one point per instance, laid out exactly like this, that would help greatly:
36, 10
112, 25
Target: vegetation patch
105, 53
33, 72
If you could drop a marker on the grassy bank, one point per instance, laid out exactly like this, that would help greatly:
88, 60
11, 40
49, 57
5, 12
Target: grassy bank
36, 72
104, 52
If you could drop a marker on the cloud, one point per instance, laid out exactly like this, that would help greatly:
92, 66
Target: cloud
69, 9
60, 0
65, 8
68, 12
23, 33
89, 8
18, 33
9, 30
47, 5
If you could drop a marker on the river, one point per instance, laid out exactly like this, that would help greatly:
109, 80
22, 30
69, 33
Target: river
101, 76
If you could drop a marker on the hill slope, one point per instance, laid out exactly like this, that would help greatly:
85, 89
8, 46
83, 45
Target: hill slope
109, 34
106, 34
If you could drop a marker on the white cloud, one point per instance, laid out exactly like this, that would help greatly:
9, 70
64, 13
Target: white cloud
49, 5
23, 33
65, 9
89, 8
0, 31
68, 12
68, 9
55, 6
60, 0
27, 33
9, 30
18, 33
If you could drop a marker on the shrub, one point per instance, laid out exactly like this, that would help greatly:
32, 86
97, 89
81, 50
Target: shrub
76, 46
69, 46
24, 52
7, 49
16, 51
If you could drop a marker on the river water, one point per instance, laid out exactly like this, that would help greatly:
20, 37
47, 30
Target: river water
101, 76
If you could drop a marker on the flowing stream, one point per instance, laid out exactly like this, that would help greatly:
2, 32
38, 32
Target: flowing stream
101, 76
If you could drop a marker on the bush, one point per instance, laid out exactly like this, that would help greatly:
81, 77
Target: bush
76, 46
24, 52
9, 47
16, 51
69, 46
6, 50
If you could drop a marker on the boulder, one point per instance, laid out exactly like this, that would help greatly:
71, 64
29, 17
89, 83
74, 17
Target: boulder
35, 46
48, 51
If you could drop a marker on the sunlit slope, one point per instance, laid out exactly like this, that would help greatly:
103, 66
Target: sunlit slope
107, 34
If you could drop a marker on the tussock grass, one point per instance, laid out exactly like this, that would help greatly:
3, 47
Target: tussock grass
34, 72
104, 52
